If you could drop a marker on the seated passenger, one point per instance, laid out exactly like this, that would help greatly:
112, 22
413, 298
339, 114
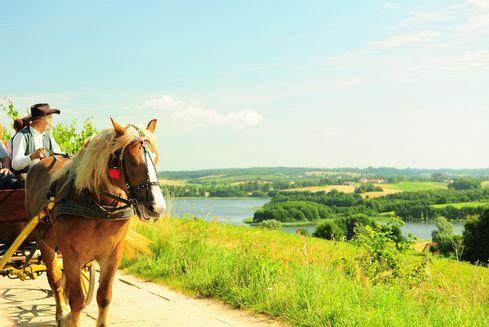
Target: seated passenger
33, 142
7, 179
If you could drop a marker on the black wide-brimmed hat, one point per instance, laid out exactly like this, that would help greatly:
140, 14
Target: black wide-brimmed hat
40, 110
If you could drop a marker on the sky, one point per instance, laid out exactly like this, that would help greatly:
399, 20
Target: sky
263, 83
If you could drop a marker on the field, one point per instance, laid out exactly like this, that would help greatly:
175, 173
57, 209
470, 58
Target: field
387, 188
302, 281
416, 186
462, 204
172, 182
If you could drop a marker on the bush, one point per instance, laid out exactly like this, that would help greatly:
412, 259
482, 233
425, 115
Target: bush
329, 230
368, 187
354, 224
476, 239
271, 224
465, 183
382, 262
292, 211
443, 236
302, 231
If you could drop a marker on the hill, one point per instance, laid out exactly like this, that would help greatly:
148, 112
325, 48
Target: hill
308, 281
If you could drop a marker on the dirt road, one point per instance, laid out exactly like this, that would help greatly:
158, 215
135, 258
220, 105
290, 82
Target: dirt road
135, 303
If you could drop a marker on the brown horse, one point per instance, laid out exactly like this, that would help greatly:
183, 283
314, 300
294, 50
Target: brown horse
115, 169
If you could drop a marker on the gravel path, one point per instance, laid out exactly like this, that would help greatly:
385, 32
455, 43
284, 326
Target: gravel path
135, 303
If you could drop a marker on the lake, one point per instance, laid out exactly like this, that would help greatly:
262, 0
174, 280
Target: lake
234, 210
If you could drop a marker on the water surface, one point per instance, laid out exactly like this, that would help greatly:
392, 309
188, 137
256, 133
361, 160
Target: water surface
234, 210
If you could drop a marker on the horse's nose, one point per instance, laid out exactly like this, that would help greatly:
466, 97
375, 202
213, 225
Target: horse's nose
156, 208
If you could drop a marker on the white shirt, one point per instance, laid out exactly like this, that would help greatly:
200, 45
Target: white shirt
19, 160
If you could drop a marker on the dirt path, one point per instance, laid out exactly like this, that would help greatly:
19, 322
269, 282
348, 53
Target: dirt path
135, 303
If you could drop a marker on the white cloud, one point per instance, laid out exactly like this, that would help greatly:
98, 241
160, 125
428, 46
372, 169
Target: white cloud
193, 113
479, 3
425, 17
398, 40
390, 5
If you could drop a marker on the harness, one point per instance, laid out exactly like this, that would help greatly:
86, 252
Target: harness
132, 205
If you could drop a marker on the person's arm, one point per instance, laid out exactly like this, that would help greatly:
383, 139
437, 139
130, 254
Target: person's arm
19, 160
55, 145
4, 160
5, 169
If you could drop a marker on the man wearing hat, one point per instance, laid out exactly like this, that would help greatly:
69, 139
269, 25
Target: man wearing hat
33, 141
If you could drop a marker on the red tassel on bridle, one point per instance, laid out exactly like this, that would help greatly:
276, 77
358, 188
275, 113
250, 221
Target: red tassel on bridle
114, 173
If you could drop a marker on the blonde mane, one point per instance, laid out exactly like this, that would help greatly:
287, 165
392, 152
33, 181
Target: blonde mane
90, 166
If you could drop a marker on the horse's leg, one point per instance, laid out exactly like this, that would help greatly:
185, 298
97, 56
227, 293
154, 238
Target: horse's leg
108, 268
54, 276
72, 270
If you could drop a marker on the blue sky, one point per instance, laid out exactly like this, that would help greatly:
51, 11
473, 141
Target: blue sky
264, 83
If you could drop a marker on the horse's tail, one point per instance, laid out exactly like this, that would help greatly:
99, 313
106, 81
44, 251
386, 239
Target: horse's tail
136, 243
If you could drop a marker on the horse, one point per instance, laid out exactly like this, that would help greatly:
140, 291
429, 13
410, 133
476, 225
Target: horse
116, 171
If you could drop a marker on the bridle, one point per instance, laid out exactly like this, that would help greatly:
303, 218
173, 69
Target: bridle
118, 164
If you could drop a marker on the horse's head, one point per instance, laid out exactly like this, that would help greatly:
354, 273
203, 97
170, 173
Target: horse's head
134, 167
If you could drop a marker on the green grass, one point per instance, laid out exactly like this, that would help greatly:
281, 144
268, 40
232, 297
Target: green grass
459, 205
298, 280
416, 186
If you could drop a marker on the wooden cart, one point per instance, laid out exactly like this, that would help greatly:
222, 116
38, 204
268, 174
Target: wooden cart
19, 256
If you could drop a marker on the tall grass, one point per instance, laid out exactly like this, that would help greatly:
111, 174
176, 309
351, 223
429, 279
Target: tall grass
298, 279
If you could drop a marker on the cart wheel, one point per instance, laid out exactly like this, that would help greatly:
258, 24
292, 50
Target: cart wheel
88, 282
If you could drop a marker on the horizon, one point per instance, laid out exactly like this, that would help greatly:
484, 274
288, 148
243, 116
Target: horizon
328, 168
253, 84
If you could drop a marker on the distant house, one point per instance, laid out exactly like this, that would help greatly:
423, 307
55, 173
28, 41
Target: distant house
364, 180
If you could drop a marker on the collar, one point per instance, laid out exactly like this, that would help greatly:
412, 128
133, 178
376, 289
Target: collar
34, 131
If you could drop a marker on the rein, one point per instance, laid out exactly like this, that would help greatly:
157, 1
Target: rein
117, 164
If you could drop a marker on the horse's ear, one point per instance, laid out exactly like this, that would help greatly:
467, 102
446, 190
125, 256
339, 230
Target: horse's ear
118, 128
152, 125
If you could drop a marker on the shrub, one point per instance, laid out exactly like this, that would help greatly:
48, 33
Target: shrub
271, 224
476, 238
354, 224
443, 236
302, 231
329, 230
292, 211
465, 183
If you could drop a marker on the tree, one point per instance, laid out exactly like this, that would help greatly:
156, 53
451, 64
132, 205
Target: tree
443, 236
476, 239
465, 183
329, 230
69, 138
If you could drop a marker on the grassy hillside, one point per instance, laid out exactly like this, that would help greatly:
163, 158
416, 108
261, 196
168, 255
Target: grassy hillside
304, 281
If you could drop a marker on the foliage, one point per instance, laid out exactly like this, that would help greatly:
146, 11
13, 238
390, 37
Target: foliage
476, 239
329, 230
368, 187
443, 235
68, 137
299, 280
271, 224
12, 114
381, 261
302, 231
292, 211
352, 225
465, 183
407, 205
